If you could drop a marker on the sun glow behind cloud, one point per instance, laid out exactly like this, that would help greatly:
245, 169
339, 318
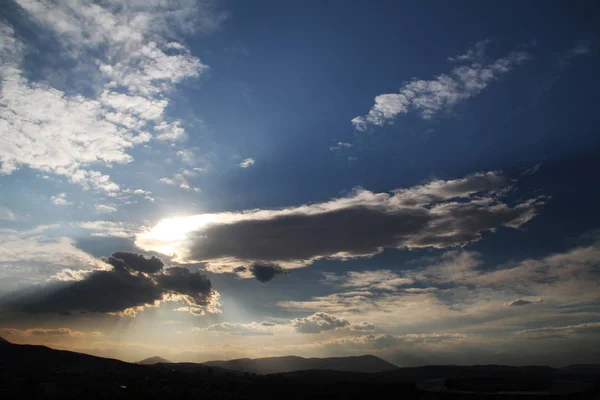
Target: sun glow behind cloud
438, 214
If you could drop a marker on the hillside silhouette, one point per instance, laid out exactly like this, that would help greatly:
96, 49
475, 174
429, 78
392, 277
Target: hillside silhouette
28, 371
273, 365
153, 360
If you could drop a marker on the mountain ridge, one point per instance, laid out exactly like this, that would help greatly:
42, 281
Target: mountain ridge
272, 365
154, 360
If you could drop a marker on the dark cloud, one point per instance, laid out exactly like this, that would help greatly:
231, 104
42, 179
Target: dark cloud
439, 214
135, 262
122, 289
193, 285
266, 272
319, 322
520, 302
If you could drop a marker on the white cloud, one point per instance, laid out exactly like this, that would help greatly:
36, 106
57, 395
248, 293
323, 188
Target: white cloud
29, 257
109, 228
429, 97
6, 214
248, 162
168, 181
475, 53
132, 63
60, 200
340, 145
104, 209
318, 323
181, 181
249, 329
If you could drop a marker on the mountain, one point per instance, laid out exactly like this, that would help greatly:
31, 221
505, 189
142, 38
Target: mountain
273, 365
28, 371
153, 360
4, 341
31, 359
585, 369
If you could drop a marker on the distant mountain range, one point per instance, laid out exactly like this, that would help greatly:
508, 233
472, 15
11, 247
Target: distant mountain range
25, 370
153, 360
273, 365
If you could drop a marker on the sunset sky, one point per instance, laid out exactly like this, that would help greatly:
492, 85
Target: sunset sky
205, 180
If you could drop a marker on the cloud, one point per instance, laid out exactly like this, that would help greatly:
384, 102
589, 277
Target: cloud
430, 97
340, 145
104, 209
128, 62
43, 332
28, 257
458, 289
532, 170
130, 291
263, 272
60, 200
582, 48
378, 279
475, 53
135, 262
109, 228
438, 214
560, 332
250, 329
181, 181
6, 214
248, 162
522, 302
363, 326
318, 323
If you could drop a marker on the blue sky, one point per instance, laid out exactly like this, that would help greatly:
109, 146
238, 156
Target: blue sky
318, 178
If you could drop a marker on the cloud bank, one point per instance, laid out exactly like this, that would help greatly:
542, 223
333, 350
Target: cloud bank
437, 214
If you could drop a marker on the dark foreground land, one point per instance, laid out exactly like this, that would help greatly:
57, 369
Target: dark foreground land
40, 372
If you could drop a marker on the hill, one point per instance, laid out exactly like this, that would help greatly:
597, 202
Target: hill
273, 365
154, 360
28, 371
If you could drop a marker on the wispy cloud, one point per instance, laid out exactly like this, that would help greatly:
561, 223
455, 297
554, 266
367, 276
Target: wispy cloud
45, 332
340, 145
6, 214
427, 98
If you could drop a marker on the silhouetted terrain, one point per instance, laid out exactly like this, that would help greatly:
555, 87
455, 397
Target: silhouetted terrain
153, 360
273, 365
40, 372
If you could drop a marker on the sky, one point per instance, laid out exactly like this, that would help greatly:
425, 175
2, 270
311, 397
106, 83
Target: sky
204, 180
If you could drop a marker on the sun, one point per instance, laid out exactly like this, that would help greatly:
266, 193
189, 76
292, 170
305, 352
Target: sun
169, 235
